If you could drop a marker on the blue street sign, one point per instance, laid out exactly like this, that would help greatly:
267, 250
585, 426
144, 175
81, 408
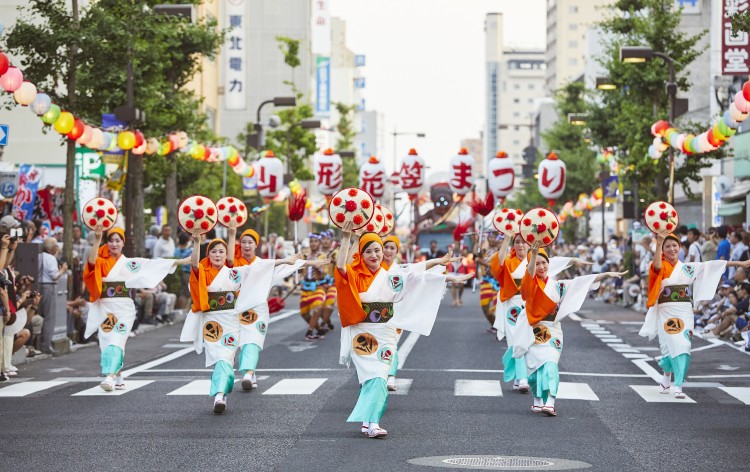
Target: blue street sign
4, 135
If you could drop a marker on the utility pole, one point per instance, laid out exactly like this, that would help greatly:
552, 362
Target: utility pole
69, 196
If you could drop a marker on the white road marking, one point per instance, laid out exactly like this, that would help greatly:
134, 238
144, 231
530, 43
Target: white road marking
650, 371
574, 317
651, 394
740, 393
719, 376
176, 345
629, 355
23, 389
295, 387
477, 388
405, 348
703, 348
130, 385
612, 340
402, 386
576, 391
196, 387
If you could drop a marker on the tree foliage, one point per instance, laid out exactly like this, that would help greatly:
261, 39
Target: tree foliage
623, 118
345, 142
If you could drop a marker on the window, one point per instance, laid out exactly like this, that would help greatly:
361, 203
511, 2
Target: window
573, 27
516, 142
573, 9
531, 86
572, 44
516, 86
516, 100
516, 114
531, 101
572, 61
516, 128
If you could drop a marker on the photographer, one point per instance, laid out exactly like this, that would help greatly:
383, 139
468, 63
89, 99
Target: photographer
49, 273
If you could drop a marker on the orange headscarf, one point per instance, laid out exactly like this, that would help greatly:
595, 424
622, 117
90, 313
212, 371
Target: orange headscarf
93, 274
239, 259
201, 277
357, 279
538, 304
655, 278
391, 239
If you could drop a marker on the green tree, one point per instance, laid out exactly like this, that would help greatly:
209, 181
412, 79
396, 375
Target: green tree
623, 118
568, 142
89, 51
345, 142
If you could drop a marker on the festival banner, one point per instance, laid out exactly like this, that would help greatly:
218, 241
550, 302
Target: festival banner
29, 177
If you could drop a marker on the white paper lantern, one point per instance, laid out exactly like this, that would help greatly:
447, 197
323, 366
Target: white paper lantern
461, 173
25, 94
660, 145
86, 135
502, 176
412, 173
373, 177
551, 178
329, 172
741, 102
270, 175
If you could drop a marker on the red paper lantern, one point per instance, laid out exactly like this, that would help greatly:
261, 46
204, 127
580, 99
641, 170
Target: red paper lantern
4, 63
78, 129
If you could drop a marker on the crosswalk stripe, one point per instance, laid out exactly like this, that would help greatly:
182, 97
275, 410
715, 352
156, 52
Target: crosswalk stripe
295, 387
130, 385
576, 391
402, 386
613, 340
477, 388
740, 393
196, 387
651, 394
27, 388
633, 355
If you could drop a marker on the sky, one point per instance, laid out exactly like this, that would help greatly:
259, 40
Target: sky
425, 65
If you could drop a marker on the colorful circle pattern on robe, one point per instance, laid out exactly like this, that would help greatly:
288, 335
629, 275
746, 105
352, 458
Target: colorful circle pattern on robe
661, 218
674, 326
248, 317
231, 208
542, 334
376, 224
109, 323
508, 221
197, 214
212, 331
540, 224
389, 223
351, 205
364, 344
99, 214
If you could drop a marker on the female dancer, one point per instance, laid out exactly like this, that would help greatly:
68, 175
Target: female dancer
366, 295
254, 321
509, 270
109, 277
548, 301
391, 248
673, 287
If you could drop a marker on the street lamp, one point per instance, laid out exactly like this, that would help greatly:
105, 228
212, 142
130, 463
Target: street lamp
396, 134
256, 140
304, 124
577, 119
639, 54
605, 83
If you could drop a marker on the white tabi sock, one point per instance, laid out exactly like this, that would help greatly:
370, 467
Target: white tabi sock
523, 383
550, 401
219, 396
678, 388
374, 426
538, 401
666, 379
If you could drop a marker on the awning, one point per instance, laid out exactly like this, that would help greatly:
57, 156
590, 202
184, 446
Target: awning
739, 190
730, 209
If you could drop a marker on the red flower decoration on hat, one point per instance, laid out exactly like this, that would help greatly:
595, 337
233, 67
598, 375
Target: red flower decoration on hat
351, 205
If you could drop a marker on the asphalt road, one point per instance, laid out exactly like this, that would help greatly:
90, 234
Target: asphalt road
450, 403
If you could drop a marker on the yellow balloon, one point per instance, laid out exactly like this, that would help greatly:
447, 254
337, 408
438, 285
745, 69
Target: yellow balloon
64, 122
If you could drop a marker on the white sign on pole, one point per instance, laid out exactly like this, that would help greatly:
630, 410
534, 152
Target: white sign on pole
321, 27
235, 56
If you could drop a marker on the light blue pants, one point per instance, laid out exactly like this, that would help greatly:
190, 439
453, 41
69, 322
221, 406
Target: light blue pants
249, 355
679, 365
372, 401
394, 364
545, 381
222, 379
112, 360
514, 369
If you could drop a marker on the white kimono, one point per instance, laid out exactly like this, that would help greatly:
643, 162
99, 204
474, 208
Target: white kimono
674, 321
416, 296
543, 342
219, 330
254, 321
114, 316
509, 311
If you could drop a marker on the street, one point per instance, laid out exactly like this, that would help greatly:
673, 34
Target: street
449, 403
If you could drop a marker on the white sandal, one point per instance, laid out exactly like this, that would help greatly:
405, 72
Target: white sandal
549, 410
377, 433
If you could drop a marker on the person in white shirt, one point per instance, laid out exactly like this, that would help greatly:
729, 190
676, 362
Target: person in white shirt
694, 251
49, 273
598, 259
164, 246
738, 247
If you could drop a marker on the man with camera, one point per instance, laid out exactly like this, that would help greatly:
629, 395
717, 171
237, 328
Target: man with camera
49, 273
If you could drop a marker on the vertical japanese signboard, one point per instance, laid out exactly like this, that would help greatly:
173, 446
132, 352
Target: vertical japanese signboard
235, 56
322, 86
735, 48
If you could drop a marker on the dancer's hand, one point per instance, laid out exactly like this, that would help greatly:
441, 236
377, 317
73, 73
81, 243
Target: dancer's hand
581, 262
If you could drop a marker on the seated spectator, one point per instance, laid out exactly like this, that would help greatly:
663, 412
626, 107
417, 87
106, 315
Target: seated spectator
740, 276
164, 304
79, 310
710, 245
727, 319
